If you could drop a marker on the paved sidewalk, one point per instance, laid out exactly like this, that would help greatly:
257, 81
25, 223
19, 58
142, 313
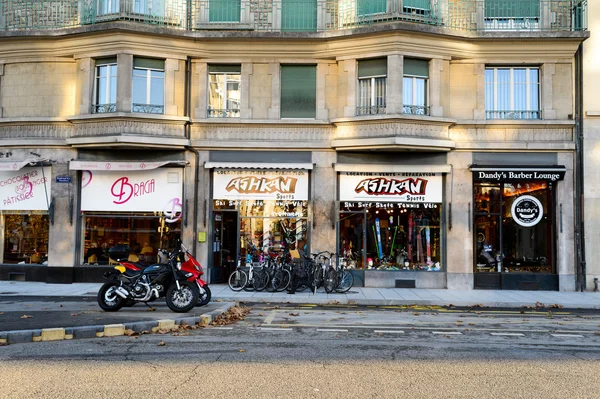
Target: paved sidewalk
357, 295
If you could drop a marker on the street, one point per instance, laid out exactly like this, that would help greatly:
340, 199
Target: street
327, 351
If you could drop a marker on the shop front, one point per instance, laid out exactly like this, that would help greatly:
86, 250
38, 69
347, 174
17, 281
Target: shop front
138, 204
257, 211
24, 213
516, 217
390, 226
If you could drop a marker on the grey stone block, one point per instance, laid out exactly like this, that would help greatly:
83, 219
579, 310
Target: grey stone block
140, 326
20, 337
86, 331
190, 321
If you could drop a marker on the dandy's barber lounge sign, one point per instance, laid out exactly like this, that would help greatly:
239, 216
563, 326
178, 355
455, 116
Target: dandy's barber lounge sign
518, 174
392, 187
527, 211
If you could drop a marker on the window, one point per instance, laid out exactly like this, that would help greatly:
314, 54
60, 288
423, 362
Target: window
298, 91
516, 15
224, 10
105, 88
299, 15
224, 91
372, 80
512, 93
370, 7
148, 85
416, 7
107, 7
25, 236
414, 87
149, 7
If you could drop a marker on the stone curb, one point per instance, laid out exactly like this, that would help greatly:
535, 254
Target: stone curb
109, 330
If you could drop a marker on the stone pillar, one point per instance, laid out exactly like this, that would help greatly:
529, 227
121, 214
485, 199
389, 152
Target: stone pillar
322, 112
245, 110
565, 225
85, 85
323, 214
547, 76
479, 72
200, 75
436, 67
274, 112
395, 74
350, 67
124, 82
171, 67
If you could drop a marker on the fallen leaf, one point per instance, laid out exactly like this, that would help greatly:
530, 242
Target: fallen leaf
130, 333
74, 314
161, 343
415, 314
261, 314
26, 316
294, 314
597, 333
151, 309
242, 350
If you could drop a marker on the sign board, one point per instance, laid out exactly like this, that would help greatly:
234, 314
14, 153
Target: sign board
158, 190
260, 184
518, 174
27, 189
391, 187
63, 179
527, 211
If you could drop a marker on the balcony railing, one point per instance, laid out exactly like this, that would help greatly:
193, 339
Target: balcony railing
223, 113
371, 110
299, 15
148, 108
415, 109
513, 114
104, 108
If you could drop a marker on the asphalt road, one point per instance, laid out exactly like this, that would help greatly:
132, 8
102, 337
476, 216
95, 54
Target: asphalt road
324, 352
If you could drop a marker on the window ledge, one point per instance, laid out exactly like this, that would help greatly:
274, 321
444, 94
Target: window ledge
388, 117
233, 121
592, 114
126, 115
29, 119
520, 122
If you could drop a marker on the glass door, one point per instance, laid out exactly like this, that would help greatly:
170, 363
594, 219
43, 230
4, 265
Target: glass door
224, 244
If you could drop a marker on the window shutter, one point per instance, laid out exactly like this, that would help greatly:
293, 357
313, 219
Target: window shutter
420, 4
299, 15
414, 67
106, 61
367, 7
224, 10
374, 67
298, 91
224, 69
148, 63
513, 9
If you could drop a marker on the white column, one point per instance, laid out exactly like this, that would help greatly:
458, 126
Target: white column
395, 73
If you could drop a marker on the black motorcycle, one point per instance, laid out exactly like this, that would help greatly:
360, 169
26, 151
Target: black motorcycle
132, 282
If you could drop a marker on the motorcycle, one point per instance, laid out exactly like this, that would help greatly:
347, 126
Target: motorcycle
191, 265
132, 282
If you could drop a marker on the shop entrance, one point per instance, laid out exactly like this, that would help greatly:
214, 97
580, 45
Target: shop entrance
225, 227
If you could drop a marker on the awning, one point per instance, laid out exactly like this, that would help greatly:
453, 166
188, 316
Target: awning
387, 168
18, 165
518, 172
121, 165
257, 165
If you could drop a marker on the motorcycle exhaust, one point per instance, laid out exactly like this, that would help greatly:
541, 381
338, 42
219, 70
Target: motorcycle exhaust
122, 292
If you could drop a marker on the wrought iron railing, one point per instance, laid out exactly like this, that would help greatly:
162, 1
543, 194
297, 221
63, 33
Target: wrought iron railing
299, 15
148, 108
223, 113
415, 109
104, 108
371, 110
513, 114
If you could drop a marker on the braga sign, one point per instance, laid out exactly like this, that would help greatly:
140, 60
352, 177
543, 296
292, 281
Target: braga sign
392, 187
527, 211
259, 184
158, 190
27, 189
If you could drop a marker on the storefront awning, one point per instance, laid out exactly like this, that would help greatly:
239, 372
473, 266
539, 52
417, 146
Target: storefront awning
387, 168
257, 165
518, 172
18, 165
121, 165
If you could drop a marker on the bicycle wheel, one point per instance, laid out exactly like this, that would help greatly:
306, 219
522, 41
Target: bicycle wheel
238, 280
345, 281
330, 280
280, 281
261, 279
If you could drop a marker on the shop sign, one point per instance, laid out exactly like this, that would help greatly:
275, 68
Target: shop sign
518, 175
391, 187
527, 211
158, 190
25, 189
248, 184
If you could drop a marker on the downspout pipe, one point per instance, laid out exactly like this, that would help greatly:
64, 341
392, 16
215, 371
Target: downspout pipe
579, 175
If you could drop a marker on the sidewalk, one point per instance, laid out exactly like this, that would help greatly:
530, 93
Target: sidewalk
357, 296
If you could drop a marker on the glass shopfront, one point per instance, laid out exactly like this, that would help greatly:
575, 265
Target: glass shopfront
391, 221
139, 208
25, 200
256, 211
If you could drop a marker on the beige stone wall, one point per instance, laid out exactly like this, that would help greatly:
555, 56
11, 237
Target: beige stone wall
462, 91
331, 90
179, 90
562, 89
342, 88
38, 89
260, 91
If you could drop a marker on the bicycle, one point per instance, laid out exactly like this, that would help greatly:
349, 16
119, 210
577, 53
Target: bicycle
238, 279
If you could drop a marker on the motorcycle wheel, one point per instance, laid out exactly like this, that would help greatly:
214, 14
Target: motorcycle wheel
108, 300
184, 299
204, 299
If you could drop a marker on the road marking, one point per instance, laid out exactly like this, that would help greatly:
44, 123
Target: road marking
222, 328
446, 332
389, 331
270, 317
330, 330
567, 335
508, 334
275, 329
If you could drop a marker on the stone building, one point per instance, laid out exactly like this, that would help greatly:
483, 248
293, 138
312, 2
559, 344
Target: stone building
430, 143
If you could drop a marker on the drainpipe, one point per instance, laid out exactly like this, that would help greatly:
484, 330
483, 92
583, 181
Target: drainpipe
187, 127
579, 173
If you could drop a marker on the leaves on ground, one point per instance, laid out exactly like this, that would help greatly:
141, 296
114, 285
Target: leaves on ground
477, 305
232, 315
26, 316
294, 314
555, 306
151, 310
161, 343
242, 350
74, 314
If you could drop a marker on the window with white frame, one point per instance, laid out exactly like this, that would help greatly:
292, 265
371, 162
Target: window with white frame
104, 7
148, 86
372, 82
224, 91
415, 87
512, 93
105, 86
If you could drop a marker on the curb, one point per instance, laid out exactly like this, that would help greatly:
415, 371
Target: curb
108, 330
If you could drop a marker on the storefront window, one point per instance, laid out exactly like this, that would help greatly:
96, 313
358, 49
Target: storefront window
143, 233
514, 226
25, 237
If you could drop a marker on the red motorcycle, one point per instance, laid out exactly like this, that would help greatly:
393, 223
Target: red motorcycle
191, 265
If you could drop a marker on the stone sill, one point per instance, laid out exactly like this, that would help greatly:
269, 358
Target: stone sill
592, 114
516, 122
127, 115
32, 120
396, 117
237, 121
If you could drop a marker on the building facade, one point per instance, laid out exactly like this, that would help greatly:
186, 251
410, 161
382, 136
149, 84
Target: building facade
430, 143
